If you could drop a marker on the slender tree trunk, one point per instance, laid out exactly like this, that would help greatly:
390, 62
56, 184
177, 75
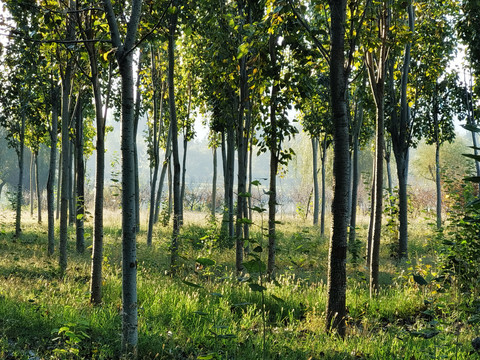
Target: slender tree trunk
32, 181
316, 195
272, 198
124, 56
66, 82
38, 191
100, 115
324, 175
214, 182
72, 182
337, 279
376, 74
59, 184
51, 172
156, 155
176, 161
165, 168
378, 196
437, 163
80, 166
138, 100
401, 141
355, 174
20, 153
184, 172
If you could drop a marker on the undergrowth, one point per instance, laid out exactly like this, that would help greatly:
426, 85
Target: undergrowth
207, 313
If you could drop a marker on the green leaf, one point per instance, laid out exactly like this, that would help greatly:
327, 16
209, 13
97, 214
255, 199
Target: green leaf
205, 357
192, 284
256, 183
255, 266
258, 209
201, 313
227, 336
419, 279
257, 287
280, 300
205, 261
258, 249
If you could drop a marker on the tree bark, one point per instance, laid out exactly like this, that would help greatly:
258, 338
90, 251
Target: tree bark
20, 153
38, 191
400, 131
214, 182
32, 181
80, 187
51, 172
124, 56
316, 195
176, 160
272, 193
323, 170
64, 196
337, 280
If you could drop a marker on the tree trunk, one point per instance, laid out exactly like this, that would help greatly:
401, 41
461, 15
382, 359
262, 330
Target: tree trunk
337, 280
20, 153
376, 73
124, 55
66, 83
165, 167
214, 182
272, 197
401, 142
138, 100
100, 115
156, 153
59, 184
176, 161
38, 191
324, 203
80, 187
316, 195
437, 162
32, 181
355, 175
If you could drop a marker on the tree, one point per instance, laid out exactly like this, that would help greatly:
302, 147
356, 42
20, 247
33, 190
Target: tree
124, 56
376, 61
337, 281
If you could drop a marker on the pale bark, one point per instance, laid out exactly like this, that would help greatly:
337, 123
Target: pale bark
316, 195
124, 56
51, 172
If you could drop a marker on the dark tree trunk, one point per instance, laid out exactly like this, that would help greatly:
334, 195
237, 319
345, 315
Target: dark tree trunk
59, 184
272, 198
176, 160
355, 172
401, 141
65, 190
20, 153
38, 191
324, 203
80, 187
337, 280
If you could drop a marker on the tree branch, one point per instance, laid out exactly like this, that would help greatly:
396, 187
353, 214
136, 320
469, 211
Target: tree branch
317, 42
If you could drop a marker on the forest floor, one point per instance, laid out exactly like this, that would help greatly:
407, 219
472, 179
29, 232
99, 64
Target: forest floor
205, 312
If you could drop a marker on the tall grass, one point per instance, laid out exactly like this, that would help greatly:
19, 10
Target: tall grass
208, 313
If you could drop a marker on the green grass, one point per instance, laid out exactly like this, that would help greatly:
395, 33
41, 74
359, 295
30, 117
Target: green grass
50, 317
